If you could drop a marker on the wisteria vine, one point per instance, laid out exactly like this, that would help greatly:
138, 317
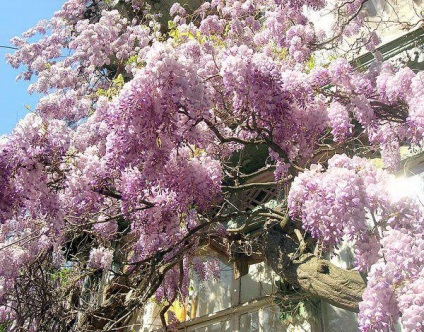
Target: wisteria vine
126, 163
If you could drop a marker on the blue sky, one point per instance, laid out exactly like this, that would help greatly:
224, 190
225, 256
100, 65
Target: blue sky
16, 17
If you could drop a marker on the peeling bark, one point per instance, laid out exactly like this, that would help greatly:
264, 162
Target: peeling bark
318, 277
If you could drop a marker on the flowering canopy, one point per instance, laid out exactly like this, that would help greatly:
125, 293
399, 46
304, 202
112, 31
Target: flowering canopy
126, 164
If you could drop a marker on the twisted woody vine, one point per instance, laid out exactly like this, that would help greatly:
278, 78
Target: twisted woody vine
129, 162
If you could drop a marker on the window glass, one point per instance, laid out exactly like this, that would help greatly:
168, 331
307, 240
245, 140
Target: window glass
212, 295
249, 322
258, 283
271, 320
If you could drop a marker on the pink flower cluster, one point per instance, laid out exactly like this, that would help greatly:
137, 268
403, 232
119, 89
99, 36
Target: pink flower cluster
100, 258
299, 38
350, 200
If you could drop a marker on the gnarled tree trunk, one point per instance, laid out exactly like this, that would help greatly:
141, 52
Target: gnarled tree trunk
318, 277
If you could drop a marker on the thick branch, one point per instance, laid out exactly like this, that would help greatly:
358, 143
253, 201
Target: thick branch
318, 277
249, 186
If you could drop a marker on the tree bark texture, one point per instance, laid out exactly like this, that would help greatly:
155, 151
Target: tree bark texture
318, 277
